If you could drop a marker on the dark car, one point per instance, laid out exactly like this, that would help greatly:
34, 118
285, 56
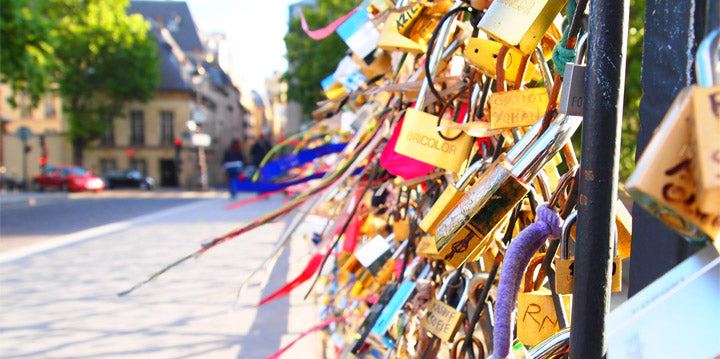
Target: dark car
68, 178
128, 179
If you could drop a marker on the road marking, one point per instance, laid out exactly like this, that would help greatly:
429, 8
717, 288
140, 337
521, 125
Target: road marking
91, 233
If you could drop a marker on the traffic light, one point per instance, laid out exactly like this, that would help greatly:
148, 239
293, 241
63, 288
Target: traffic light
42, 161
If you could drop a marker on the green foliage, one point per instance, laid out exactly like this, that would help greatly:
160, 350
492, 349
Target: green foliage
106, 59
633, 89
310, 61
26, 50
96, 56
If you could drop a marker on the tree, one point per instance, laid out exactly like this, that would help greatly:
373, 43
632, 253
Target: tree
105, 59
310, 61
96, 57
26, 49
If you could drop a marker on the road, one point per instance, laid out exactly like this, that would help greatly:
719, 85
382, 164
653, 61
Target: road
60, 301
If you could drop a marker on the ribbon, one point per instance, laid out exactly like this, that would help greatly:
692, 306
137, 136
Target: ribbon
309, 270
274, 168
326, 31
251, 200
262, 187
517, 257
324, 324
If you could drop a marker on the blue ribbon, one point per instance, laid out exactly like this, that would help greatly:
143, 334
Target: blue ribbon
268, 186
274, 168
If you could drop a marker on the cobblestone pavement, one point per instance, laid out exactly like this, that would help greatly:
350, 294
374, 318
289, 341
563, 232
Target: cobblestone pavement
62, 303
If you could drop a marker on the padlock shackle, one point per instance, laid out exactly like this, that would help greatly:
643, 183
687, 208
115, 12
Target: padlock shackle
581, 53
469, 174
546, 147
466, 291
529, 279
435, 57
565, 236
707, 60
552, 347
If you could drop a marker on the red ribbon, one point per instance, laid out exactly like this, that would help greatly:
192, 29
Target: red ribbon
317, 327
256, 198
309, 270
326, 31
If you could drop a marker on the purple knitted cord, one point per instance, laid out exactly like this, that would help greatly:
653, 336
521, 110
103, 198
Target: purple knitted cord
519, 254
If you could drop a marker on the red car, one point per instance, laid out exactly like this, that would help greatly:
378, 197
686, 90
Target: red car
68, 178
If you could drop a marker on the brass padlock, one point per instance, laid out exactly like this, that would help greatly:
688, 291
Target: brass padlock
520, 23
572, 93
663, 181
449, 197
465, 231
483, 54
706, 124
565, 265
441, 319
536, 318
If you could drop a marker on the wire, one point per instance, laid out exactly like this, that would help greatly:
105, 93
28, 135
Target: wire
431, 45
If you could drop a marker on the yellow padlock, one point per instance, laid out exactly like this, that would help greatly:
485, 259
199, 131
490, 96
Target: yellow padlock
483, 53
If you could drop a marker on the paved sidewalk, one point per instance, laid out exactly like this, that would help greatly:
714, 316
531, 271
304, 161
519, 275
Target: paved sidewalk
61, 303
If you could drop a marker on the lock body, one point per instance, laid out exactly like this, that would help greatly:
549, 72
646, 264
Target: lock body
517, 108
706, 146
420, 140
564, 274
442, 206
664, 180
466, 230
573, 90
483, 53
520, 23
442, 320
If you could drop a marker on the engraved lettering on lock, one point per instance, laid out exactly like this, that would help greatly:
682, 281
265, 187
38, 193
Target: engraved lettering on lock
715, 103
427, 141
678, 190
535, 310
460, 246
577, 101
523, 6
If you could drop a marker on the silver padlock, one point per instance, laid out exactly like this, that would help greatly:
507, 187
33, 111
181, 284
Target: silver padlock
572, 93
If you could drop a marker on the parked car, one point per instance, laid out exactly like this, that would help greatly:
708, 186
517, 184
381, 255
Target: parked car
129, 179
67, 178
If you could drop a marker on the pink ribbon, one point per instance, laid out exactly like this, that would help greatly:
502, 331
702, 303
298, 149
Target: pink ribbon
326, 31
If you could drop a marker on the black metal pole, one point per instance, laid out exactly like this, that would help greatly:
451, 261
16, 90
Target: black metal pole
605, 79
673, 29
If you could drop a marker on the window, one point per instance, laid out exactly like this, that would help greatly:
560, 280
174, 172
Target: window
137, 128
49, 106
167, 128
139, 165
107, 165
108, 138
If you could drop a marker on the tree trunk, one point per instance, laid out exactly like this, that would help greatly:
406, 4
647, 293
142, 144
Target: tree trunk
78, 147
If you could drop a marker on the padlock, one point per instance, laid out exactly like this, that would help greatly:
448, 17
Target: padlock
572, 93
565, 265
706, 124
410, 30
482, 54
556, 346
395, 305
441, 319
465, 231
536, 318
663, 181
520, 23
449, 197
517, 108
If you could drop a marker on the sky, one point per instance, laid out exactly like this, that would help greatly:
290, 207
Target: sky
254, 30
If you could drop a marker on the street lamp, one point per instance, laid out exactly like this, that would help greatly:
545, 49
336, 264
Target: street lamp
198, 117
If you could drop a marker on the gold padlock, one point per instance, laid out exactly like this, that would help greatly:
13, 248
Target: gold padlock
441, 319
483, 54
465, 231
449, 197
706, 124
565, 265
517, 108
663, 181
537, 319
520, 23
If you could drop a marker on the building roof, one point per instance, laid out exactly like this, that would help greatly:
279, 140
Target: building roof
174, 77
174, 16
